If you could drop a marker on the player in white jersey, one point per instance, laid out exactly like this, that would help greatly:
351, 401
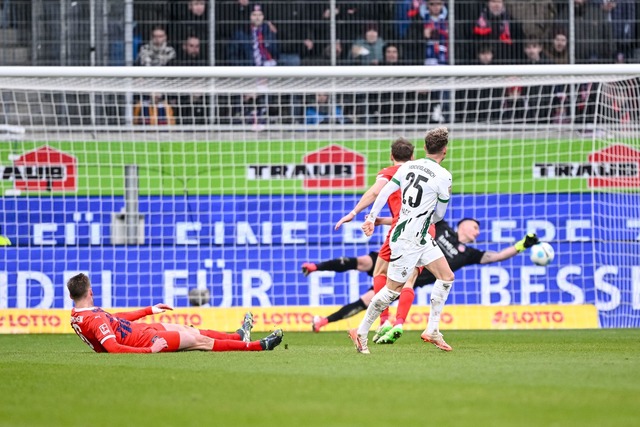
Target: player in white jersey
426, 188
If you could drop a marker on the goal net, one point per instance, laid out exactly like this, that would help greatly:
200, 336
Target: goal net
163, 184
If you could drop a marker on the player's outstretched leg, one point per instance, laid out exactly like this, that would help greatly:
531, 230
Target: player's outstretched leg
308, 268
344, 312
272, 340
339, 265
318, 322
247, 325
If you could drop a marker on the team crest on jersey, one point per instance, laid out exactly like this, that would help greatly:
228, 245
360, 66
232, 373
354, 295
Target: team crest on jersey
461, 248
104, 329
404, 272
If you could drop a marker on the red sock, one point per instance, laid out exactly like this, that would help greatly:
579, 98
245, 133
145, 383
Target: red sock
231, 345
220, 335
379, 282
404, 305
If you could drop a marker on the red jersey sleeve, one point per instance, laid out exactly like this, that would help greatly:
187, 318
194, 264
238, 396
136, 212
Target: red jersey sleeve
134, 315
395, 200
112, 346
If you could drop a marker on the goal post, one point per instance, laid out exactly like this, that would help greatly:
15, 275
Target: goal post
236, 176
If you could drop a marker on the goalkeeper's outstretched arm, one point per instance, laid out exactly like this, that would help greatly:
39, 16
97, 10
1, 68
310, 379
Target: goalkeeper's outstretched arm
526, 242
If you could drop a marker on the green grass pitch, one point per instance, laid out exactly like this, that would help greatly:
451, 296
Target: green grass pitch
508, 378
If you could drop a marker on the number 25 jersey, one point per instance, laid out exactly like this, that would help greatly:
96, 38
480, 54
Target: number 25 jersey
423, 184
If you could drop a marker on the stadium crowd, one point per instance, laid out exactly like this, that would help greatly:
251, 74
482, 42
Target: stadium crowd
378, 33
294, 32
373, 33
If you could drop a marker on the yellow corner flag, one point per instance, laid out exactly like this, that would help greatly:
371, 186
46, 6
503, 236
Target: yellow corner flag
4, 241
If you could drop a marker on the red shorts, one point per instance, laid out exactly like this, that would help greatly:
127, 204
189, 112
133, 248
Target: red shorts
154, 330
173, 340
385, 250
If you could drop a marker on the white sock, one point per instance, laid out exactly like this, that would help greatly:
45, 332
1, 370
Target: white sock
438, 298
379, 302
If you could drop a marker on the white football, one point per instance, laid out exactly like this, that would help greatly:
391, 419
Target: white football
542, 253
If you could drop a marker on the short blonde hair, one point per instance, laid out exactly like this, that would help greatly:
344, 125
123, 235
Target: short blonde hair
436, 139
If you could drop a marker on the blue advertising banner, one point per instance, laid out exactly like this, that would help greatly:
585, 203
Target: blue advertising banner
248, 251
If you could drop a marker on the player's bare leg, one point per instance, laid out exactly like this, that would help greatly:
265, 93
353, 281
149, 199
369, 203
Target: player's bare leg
441, 288
191, 339
379, 282
206, 332
379, 302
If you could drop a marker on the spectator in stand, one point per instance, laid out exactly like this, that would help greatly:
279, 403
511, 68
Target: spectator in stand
350, 19
147, 14
191, 53
622, 15
536, 18
190, 18
230, 16
558, 52
319, 112
534, 53
391, 55
495, 27
157, 52
153, 110
349, 16
255, 44
593, 43
429, 22
295, 30
368, 50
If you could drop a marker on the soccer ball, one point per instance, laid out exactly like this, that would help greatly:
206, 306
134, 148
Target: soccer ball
542, 253
198, 297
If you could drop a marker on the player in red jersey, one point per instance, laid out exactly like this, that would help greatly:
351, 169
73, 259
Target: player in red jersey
401, 152
118, 332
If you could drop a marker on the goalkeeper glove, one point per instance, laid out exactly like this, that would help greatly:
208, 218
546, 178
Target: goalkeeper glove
528, 241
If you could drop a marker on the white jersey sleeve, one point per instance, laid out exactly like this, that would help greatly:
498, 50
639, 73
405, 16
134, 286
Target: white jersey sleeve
444, 194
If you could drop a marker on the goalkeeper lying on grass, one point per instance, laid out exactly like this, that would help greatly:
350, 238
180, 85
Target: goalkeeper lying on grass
118, 333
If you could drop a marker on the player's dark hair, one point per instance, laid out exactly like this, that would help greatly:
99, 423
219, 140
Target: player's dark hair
78, 286
436, 139
468, 219
402, 150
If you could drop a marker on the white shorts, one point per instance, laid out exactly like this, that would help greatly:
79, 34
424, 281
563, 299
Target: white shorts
406, 255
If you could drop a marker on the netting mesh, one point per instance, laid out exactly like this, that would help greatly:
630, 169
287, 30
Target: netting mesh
236, 189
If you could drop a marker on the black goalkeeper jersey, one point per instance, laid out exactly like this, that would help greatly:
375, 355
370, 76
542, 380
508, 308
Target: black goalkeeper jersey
457, 254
